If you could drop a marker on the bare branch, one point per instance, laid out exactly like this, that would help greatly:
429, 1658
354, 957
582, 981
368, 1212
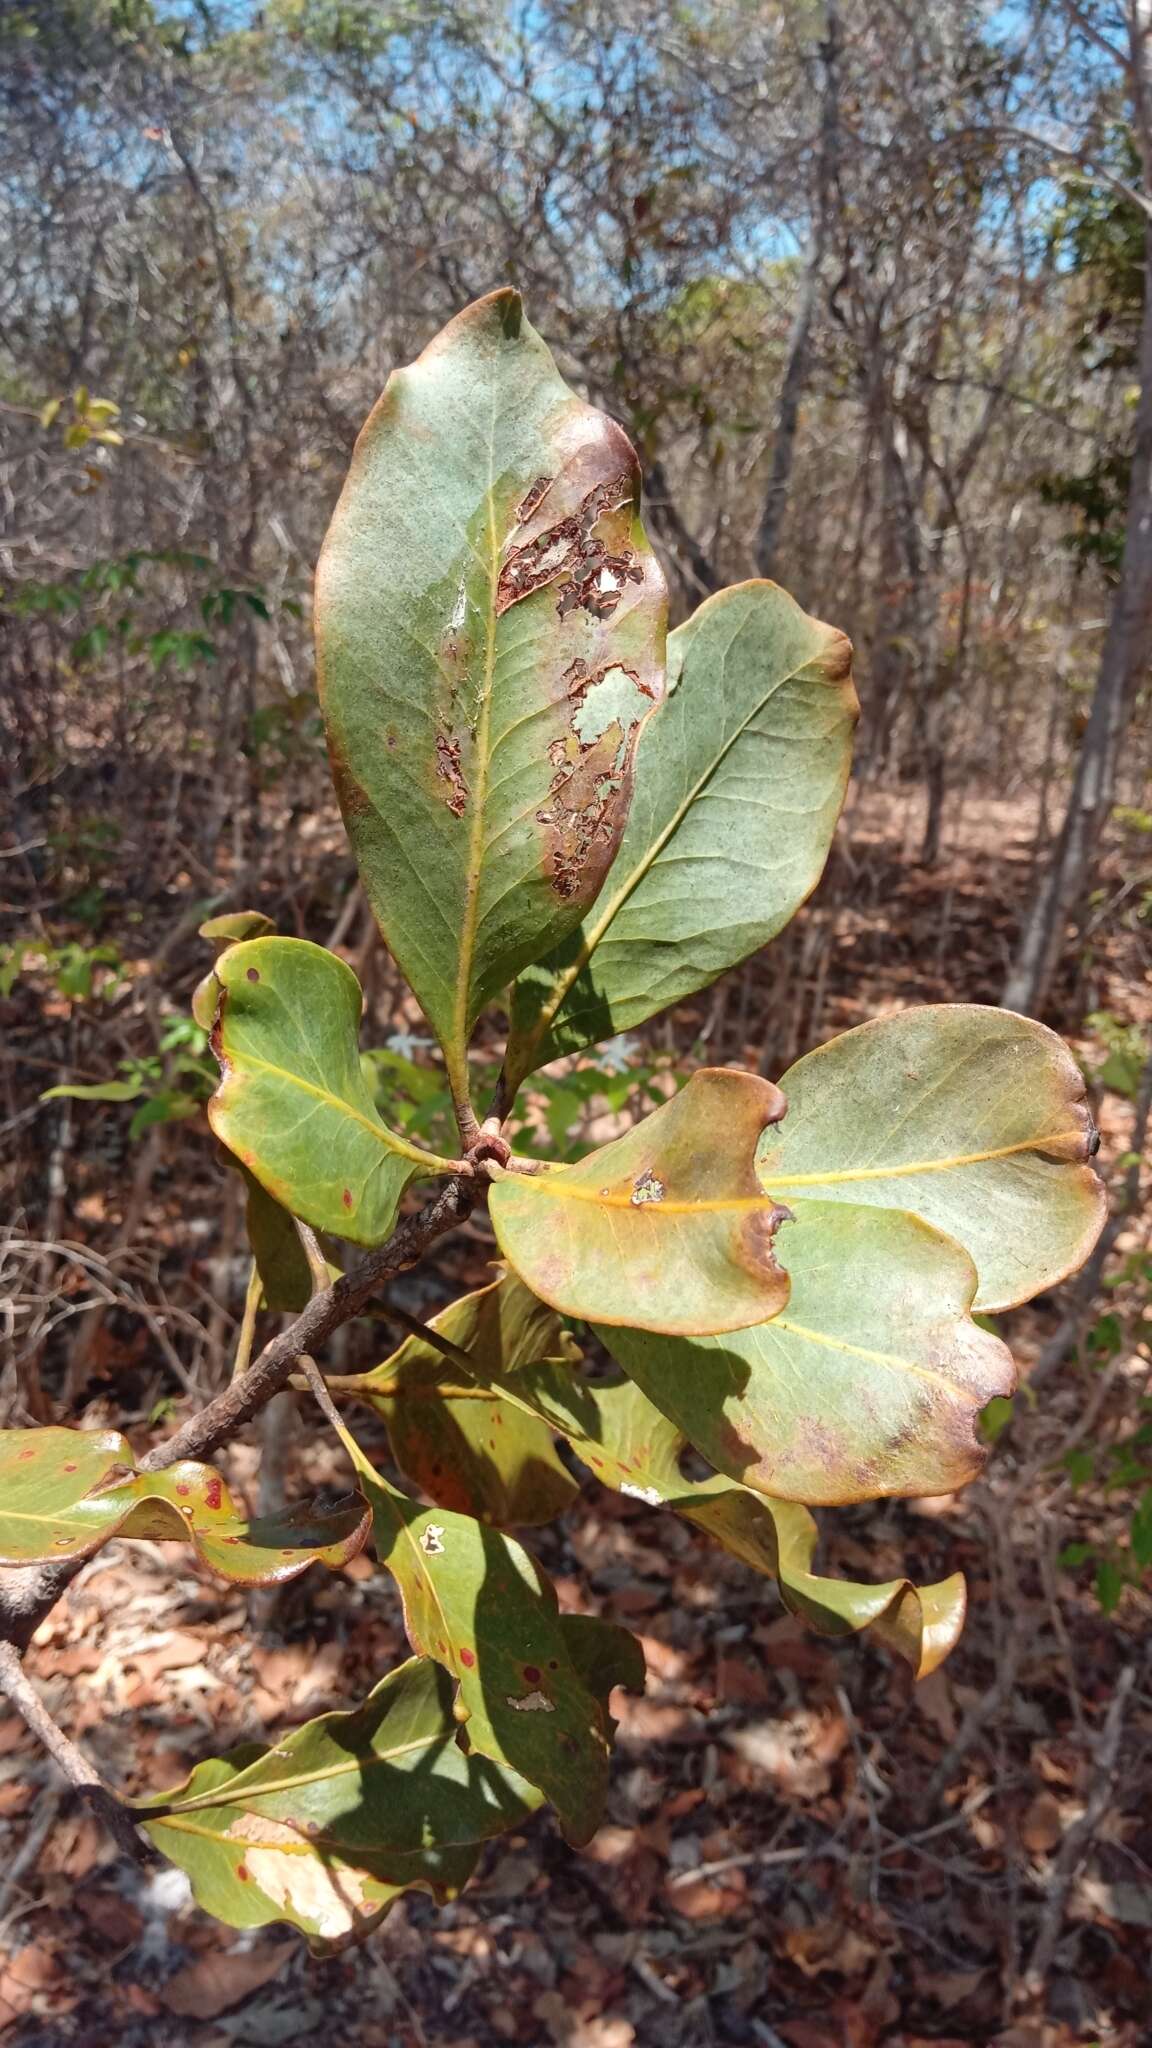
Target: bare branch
28, 1594
19, 1690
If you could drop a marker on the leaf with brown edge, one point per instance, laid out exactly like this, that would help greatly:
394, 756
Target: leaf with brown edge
666, 1228
66, 1492
969, 1117
459, 1439
490, 624
632, 1447
476, 1602
869, 1382
740, 775
329, 1825
222, 932
293, 1104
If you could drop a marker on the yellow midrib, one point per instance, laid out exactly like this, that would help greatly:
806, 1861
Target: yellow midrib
847, 1173
557, 1184
384, 1135
454, 1054
886, 1358
227, 1796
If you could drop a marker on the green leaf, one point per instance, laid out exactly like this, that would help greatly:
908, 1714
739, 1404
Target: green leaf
971, 1118
46, 1478
478, 1603
167, 1106
740, 775
66, 1492
466, 1448
869, 1382
490, 627
327, 1827
95, 1091
997, 1415
233, 926
632, 1447
1140, 1533
1110, 1584
666, 1228
293, 1103
284, 1271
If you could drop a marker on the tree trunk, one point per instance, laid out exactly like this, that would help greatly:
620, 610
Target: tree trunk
1065, 884
798, 359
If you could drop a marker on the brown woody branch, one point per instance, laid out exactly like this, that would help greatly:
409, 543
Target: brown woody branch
18, 1688
28, 1594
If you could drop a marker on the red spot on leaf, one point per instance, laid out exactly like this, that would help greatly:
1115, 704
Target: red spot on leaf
253, 974
468, 1658
242, 1872
182, 1489
532, 1674
346, 1198
212, 1493
29, 1453
67, 1468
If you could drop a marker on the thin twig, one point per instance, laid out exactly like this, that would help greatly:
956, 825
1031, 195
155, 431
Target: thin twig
1078, 1840
252, 1298
28, 1594
18, 1688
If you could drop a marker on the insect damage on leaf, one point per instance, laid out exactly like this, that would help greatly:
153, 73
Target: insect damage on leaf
281, 1859
448, 769
590, 761
571, 554
491, 628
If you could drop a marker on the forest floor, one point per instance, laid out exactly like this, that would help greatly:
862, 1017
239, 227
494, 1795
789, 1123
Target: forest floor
802, 1847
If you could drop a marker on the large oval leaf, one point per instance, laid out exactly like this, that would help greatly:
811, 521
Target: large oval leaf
490, 627
665, 1228
293, 1103
868, 1383
66, 1492
631, 1446
740, 776
326, 1827
972, 1118
465, 1445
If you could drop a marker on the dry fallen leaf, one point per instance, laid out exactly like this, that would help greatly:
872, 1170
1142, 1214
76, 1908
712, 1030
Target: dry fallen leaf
220, 1979
1041, 1826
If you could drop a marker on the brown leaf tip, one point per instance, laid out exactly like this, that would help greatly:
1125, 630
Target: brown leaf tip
837, 659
